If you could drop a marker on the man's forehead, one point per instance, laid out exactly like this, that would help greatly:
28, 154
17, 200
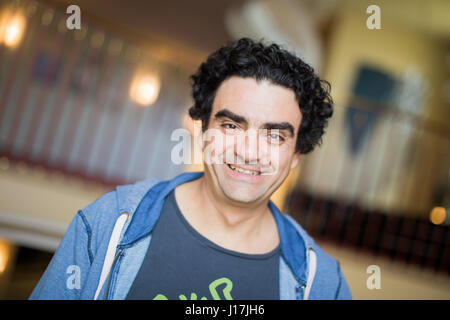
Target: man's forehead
259, 102
248, 115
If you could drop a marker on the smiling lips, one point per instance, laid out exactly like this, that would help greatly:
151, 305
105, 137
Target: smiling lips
250, 172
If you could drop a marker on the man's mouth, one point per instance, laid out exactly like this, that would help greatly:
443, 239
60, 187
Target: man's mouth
246, 171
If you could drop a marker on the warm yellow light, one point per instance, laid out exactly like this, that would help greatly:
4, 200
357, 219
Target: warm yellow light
2, 262
12, 28
144, 89
4, 255
11, 34
438, 215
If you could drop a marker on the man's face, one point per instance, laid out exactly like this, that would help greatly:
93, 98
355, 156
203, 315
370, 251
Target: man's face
250, 142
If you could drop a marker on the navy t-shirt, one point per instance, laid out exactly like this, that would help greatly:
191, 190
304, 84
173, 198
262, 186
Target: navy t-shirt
182, 264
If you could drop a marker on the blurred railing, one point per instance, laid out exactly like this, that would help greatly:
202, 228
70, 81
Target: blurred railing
65, 101
394, 235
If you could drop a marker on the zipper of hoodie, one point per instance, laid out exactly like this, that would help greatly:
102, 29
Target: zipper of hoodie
108, 281
302, 285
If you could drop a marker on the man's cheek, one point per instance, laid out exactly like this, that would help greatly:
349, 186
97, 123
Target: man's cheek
213, 142
272, 160
213, 154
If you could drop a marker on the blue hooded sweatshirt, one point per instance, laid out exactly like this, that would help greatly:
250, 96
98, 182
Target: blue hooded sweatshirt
106, 242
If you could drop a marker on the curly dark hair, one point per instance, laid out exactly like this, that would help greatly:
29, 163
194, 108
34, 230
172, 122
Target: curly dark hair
249, 59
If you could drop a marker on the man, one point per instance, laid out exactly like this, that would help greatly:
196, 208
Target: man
213, 235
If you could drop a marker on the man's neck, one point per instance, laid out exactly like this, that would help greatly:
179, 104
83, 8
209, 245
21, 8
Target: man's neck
239, 227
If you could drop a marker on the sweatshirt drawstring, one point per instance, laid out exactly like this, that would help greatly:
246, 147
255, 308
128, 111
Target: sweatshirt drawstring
110, 253
312, 266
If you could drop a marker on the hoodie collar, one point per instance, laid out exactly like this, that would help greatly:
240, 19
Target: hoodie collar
292, 243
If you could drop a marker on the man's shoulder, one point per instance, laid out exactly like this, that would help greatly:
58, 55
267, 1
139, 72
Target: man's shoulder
328, 275
124, 197
322, 256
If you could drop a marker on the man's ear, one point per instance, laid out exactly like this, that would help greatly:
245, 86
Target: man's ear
295, 160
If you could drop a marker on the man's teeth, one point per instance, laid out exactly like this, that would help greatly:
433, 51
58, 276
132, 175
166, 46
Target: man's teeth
240, 170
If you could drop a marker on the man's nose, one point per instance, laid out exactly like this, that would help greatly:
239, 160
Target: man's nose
248, 147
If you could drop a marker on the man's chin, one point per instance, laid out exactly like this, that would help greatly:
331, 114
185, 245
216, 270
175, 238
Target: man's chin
239, 190
242, 196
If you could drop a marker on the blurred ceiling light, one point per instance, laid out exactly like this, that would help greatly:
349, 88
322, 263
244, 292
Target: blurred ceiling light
4, 255
12, 27
438, 215
144, 89
3, 260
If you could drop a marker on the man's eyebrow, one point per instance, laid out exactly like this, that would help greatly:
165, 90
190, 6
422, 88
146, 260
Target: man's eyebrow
280, 126
225, 113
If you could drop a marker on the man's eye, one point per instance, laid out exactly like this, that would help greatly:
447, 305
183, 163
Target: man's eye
275, 137
229, 126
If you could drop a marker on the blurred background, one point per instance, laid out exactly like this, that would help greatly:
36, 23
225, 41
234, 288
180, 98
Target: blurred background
84, 110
